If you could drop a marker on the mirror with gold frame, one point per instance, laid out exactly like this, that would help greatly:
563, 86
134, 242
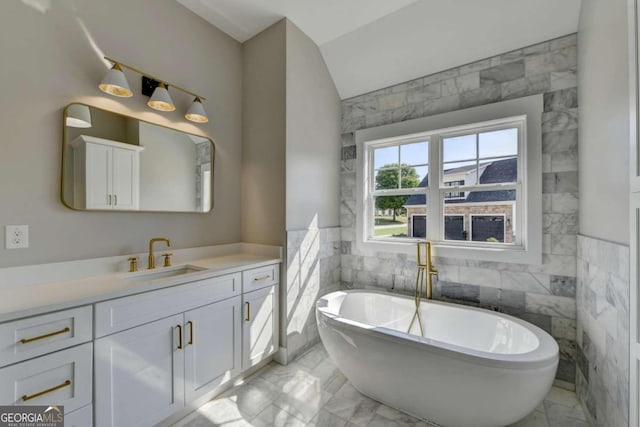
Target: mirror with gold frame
112, 162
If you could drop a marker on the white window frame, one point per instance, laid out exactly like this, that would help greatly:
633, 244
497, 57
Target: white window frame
518, 122
504, 224
529, 198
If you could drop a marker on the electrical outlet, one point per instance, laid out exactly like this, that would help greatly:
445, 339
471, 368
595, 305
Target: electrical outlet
16, 236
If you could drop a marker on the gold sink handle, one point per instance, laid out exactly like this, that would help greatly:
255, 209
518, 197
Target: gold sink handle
167, 260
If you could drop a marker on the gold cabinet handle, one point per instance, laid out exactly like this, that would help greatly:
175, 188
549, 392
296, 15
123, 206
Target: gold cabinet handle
268, 276
248, 319
67, 383
190, 323
180, 346
41, 337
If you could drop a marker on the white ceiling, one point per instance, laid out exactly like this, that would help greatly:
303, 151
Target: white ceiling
371, 44
322, 20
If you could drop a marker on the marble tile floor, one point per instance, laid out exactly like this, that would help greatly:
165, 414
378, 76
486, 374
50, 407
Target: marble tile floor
311, 391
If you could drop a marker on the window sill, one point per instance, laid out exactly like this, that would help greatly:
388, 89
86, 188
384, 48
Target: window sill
516, 255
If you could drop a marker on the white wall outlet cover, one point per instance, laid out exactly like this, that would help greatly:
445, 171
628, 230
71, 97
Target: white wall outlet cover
16, 236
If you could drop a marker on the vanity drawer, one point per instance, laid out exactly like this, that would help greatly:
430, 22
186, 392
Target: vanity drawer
61, 378
35, 336
127, 312
261, 277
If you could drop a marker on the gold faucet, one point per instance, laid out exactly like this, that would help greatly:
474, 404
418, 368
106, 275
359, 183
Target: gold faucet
427, 266
152, 261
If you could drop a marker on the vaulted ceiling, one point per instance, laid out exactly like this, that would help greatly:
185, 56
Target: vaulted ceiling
372, 44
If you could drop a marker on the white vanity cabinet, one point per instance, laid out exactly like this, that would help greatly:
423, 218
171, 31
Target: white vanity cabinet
145, 374
259, 325
212, 346
60, 378
48, 360
260, 314
139, 359
106, 174
139, 374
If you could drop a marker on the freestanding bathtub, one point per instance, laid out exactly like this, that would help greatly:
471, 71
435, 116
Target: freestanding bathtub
472, 368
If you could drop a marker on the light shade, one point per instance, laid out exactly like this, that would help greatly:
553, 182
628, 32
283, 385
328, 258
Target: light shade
115, 83
78, 116
160, 100
196, 112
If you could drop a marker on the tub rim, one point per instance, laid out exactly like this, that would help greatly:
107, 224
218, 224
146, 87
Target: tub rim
544, 355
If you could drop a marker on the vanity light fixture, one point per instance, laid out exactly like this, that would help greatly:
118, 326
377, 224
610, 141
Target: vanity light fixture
116, 84
78, 116
196, 112
160, 100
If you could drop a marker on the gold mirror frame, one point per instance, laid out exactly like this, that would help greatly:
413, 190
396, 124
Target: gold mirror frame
63, 168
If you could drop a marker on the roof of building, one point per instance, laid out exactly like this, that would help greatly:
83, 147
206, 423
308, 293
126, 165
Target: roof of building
496, 172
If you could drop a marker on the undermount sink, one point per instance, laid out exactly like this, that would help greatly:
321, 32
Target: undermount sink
163, 273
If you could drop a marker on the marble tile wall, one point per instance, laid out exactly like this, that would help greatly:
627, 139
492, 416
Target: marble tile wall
203, 160
313, 270
603, 331
543, 294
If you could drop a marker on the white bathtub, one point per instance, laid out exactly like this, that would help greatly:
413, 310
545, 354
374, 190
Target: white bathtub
473, 368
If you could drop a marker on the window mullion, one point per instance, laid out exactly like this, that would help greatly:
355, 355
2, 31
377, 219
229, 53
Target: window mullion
434, 205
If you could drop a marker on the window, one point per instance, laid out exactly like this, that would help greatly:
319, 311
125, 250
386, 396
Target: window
479, 177
468, 181
397, 173
454, 194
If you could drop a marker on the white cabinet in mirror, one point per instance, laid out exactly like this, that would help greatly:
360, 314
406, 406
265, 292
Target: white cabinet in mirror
115, 162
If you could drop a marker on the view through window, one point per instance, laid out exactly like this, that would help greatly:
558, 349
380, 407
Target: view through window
478, 189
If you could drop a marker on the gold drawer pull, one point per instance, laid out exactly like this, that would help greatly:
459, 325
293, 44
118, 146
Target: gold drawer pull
180, 346
268, 276
248, 319
49, 390
41, 337
190, 323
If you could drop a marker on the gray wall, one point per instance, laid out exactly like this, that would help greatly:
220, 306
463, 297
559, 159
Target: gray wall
604, 120
264, 137
313, 136
313, 195
543, 294
291, 152
603, 267
52, 55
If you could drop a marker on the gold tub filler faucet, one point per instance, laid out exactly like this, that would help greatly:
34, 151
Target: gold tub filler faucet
424, 279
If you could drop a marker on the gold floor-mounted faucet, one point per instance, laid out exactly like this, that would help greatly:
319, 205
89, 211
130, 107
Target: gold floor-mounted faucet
152, 260
425, 267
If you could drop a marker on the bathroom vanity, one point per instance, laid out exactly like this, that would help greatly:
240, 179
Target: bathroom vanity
137, 348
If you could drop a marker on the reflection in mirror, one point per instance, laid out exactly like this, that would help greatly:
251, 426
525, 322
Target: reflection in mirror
115, 162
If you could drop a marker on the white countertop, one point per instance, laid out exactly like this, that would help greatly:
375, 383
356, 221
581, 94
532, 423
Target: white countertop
28, 300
